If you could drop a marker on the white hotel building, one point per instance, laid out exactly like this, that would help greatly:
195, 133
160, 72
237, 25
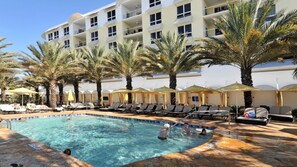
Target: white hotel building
144, 20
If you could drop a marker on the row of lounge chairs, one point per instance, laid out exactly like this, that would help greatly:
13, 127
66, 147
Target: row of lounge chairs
172, 110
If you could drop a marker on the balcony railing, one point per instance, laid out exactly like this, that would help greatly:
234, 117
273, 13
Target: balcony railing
80, 44
133, 30
215, 9
81, 30
132, 13
212, 32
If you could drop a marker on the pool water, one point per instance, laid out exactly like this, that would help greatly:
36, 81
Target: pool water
104, 141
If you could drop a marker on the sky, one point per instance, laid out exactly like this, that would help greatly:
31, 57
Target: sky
23, 21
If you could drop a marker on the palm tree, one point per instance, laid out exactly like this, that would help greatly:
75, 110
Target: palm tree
8, 63
50, 61
6, 81
125, 61
251, 38
170, 56
92, 61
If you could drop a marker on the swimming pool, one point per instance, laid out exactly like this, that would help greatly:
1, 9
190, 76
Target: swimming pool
106, 141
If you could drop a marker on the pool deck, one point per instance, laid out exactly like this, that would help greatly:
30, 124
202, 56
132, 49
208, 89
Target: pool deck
231, 145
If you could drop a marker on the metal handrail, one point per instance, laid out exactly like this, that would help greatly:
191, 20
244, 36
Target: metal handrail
8, 123
133, 30
133, 13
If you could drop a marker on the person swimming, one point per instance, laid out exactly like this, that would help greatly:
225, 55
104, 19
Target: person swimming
186, 129
203, 132
164, 132
67, 151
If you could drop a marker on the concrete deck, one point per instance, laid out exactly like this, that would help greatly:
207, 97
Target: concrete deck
231, 145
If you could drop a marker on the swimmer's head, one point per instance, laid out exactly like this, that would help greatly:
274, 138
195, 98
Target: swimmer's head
166, 125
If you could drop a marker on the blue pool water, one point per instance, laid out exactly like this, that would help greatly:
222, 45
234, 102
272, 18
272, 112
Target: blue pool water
104, 141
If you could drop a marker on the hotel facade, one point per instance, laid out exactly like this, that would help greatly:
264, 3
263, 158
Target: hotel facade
145, 20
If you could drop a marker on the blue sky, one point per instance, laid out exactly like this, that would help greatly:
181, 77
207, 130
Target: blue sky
23, 21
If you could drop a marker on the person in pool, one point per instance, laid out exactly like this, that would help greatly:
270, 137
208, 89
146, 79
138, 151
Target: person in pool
186, 129
203, 132
67, 151
164, 132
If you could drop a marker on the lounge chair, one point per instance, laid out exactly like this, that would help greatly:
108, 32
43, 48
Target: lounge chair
149, 109
142, 108
7, 109
201, 110
283, 111
186, 110
168, 110
261, 116
158, 109
178, 109
127, 108
212, 110
222, 112
114, 106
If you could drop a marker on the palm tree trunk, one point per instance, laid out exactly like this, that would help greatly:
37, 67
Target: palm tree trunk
47, 94
3, 94
37, 95
246, 79
129, 87
53, 94
99, 88
61, 94
76, 91
172, 85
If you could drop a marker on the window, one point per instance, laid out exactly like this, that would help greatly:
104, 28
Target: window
218, 32
184, 10
94, 21
50, 36
56, 34
111, 15
66, 31
154, 3
221, 8
66, 44
112, 45
94, 36
156, 18
185, 30
155, 36
195, 98
112, 31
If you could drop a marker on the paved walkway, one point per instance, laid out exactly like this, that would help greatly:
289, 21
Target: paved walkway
231, 145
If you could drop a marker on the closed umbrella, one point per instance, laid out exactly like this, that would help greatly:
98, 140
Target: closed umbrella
22, 91
70, 96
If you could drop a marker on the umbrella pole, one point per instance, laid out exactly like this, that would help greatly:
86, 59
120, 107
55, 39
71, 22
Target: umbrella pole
22, 99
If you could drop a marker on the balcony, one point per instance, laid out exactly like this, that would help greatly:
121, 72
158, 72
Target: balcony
81, 30
132, 13
215, 11
213, 33
134, 30
80, 44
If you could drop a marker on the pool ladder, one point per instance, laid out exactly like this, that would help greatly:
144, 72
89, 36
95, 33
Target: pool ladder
8, 123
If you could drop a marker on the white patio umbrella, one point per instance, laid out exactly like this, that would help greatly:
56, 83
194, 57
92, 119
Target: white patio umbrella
22, 91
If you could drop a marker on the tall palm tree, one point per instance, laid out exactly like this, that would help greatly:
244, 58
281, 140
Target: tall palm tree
8, 63
251, 37
92, 61
170, 56
50, 61
6, 80
125, 61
